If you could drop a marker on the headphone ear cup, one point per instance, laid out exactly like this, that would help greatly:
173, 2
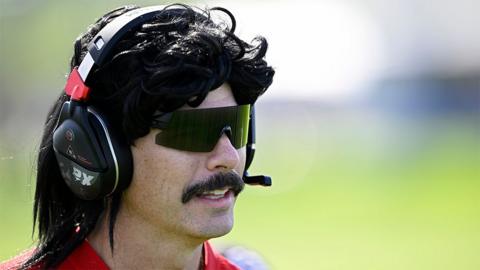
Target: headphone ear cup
116, 148
93, 159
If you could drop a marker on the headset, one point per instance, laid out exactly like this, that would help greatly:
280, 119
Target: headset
94, 158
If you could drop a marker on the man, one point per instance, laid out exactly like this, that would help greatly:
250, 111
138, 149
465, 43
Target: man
143, 155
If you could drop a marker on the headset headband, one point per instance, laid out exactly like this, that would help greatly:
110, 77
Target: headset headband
101, 45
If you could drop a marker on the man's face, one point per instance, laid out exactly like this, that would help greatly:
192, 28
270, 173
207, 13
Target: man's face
162, 174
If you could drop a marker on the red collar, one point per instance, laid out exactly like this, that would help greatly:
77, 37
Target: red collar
85, 257
215, 261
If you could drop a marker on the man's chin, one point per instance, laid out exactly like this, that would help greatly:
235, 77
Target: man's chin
213, 228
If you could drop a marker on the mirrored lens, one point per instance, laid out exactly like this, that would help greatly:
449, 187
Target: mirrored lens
199, 130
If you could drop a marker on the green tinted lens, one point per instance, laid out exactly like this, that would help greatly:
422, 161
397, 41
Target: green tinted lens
199, 130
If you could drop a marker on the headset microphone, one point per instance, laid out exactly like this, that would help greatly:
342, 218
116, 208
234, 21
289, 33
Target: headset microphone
261, 180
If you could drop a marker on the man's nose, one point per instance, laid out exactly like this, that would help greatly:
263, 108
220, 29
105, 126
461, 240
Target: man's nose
224, 156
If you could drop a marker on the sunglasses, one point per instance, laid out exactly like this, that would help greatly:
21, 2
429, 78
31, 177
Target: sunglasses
199, 130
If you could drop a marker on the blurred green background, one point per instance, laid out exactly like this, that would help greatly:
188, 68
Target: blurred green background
370, 171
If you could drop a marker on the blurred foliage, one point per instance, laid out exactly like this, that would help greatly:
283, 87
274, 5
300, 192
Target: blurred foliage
37, 39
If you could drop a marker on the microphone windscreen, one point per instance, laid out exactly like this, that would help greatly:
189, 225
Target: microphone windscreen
262, 180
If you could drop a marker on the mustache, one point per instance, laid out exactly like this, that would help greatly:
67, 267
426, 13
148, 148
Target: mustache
217, 181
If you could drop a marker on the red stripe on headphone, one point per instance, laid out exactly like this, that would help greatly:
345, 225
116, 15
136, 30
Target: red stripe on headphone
75, 87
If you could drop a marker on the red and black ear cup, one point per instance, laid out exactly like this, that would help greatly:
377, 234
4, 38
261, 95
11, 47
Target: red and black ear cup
94, 159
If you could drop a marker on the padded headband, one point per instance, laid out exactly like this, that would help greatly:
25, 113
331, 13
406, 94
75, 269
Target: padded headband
102, 44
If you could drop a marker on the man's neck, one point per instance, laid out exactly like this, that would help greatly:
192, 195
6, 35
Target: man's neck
139, 245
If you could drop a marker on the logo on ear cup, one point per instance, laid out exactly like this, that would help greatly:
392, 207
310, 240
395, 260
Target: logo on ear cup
69, 135
70, 152
80, 175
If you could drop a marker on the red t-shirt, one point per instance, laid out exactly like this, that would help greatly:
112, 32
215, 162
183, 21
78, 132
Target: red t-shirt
85, 257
